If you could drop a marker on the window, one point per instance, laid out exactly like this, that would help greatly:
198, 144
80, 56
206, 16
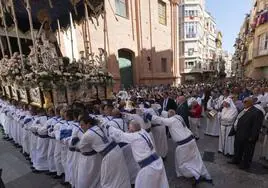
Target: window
121, 8
162, 12
190, 64
263, 44
186, 13
191, 29
190, 51
164, 64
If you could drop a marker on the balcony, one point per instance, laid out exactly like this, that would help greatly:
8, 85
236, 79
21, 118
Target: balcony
259, 53
192, 70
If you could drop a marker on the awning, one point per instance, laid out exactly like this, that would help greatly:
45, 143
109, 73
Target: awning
59, 11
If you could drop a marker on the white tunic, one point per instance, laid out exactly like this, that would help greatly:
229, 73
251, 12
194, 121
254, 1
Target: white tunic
160, 136
213, 123
88, 168
132, 165
227, 116
27, 121
114, 172
52, 142
153, 175
188, 161
41, 162
58, 147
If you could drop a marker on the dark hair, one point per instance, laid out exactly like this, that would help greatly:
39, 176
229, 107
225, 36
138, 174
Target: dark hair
51, 110
76, 113
88, 120
57, 110
69, 114
109, 106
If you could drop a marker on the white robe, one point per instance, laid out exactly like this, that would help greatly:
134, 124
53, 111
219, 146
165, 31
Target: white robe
33, 139
153, 175
188, 160
57, 152
213, 124
114, 172
132, 165
51, 146
228, 116
66, 155
26, 134
40, 162
82, 165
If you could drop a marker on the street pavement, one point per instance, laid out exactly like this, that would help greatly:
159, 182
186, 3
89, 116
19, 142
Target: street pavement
17, 172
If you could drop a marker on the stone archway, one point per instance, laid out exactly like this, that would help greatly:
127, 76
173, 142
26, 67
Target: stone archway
125, 62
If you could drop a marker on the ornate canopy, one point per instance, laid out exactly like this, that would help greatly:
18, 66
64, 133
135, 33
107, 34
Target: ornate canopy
52, 9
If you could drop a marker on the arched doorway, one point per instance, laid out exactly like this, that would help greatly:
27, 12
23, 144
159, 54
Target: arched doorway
125, 61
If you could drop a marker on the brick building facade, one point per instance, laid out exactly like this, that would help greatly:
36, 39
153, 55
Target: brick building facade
141, 41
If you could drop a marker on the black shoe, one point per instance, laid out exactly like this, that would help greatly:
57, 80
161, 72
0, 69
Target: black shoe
64, 183
28, 158
57, 177
16, 145
32, 168
243, 167
51, 173
37, 171
233, 162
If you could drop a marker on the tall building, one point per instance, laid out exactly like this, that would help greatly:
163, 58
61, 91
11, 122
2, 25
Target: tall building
141, 41
209, 65
198, 34
251, 54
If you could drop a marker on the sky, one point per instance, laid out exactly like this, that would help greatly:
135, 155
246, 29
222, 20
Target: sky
229, 15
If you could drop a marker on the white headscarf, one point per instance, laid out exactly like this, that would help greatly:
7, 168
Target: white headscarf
228, 115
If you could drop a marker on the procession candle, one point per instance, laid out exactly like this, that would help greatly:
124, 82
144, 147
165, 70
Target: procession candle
31, 28
88, 30
2, 47
59, 41
71, 32
17, 30
5, 26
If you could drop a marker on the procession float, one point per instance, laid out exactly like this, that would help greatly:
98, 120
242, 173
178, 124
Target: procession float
44, 77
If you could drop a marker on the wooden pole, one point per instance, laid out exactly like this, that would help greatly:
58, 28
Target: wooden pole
2, 47
105, 36
88, 29
58, 22
5, 26
72, 42
28, 8
17, 30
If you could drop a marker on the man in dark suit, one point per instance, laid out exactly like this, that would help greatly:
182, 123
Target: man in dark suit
183, 110
168, 103
247, 128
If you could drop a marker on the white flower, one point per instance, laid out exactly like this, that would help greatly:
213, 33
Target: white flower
57, 72
78, 74
43, 73
66, 74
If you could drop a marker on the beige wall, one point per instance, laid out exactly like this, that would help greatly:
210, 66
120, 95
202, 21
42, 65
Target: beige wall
141, 33
257, 68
